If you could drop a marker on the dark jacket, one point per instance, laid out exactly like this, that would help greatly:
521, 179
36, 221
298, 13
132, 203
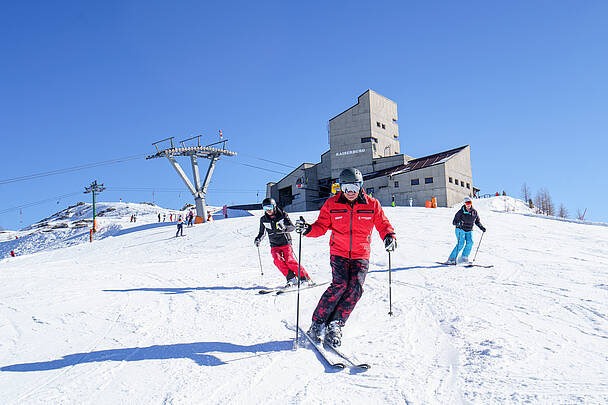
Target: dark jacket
351, 225
466, 219
278, 228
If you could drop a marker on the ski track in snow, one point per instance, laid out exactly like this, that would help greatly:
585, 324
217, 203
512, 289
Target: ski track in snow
141, 317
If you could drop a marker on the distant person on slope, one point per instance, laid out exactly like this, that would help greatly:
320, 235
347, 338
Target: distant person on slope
180, 227
190, 217
278, 225
351, 215
464, 220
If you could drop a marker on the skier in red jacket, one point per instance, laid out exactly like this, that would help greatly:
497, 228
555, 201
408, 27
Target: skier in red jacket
351, 215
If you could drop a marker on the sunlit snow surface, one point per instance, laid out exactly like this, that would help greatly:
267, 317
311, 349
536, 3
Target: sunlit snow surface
142, 317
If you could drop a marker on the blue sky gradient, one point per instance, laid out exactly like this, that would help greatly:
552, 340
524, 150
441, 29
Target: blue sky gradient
524, 83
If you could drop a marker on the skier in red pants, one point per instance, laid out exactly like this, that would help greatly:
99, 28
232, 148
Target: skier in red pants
278, 225
351, 215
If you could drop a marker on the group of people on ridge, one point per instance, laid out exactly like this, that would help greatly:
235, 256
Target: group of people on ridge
351, 215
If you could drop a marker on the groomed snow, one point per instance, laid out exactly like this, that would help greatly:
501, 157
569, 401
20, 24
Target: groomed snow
142, 317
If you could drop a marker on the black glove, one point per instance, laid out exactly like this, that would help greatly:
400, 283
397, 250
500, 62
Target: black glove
483, 228
390, 243
459, 224
302, 226
256, 242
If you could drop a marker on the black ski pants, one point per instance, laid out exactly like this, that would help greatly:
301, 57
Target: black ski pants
340, 298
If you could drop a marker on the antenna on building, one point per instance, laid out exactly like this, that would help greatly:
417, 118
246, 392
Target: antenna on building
198, 190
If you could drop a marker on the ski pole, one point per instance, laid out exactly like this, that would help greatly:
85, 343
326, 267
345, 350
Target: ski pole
260, 257
390, 300
480, 239
295, 344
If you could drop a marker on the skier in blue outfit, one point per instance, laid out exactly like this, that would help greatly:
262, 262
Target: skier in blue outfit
464, 220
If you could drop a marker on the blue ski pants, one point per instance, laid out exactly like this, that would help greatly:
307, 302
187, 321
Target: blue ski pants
462, 237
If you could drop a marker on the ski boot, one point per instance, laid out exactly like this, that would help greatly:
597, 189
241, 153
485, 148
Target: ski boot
333, 336
450, 261
315, 331
465, 260
292, 282
306, 282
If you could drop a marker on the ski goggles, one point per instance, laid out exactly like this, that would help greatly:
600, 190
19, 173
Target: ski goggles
468, 203
268, 207
350, 187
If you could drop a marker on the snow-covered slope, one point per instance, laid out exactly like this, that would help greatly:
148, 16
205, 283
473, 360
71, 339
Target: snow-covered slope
503, 204
71, 226
141, 317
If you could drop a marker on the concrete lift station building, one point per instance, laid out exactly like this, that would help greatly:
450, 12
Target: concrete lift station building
366, 136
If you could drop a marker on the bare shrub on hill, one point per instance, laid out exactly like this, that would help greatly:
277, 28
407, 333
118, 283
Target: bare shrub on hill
581, 215
526, 194
543, 202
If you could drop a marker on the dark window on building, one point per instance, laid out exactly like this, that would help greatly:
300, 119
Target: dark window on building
383, 126
428, 180
456, 181
378, 124
468, 185
451, 181
396, 184
285, 196
369, 139
415, 182
461, 183
324, 188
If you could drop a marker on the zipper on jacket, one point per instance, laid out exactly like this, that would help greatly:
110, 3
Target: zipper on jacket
352, 210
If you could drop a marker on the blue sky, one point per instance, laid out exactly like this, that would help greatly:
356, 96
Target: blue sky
524, 83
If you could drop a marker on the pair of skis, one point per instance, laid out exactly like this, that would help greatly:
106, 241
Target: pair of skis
335, 357
467, 265
283, 290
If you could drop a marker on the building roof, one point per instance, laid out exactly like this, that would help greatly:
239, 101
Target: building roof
415, 164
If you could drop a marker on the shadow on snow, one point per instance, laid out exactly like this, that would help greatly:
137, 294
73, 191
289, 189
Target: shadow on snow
144, 227
437, 266
185, 290
194, 351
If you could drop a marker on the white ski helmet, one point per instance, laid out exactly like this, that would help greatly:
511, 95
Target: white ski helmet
467, 200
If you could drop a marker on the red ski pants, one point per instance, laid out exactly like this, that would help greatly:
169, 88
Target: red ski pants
285, 261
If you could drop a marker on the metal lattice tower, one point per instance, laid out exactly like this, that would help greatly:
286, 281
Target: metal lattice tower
198, 190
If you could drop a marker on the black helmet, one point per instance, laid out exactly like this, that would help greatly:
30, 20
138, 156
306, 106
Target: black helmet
351, 175
269, 201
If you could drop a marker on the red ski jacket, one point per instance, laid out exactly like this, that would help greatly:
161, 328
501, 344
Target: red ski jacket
351, 225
